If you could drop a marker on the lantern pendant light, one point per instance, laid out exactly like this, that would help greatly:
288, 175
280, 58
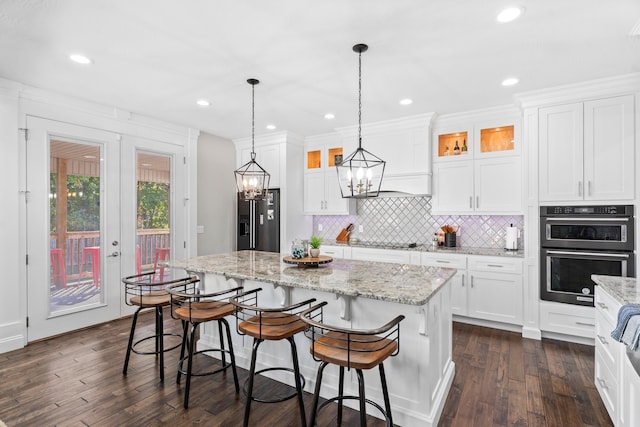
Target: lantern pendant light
251, 179
360, 173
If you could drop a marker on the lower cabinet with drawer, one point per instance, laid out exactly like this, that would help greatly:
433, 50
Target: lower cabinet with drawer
458, 283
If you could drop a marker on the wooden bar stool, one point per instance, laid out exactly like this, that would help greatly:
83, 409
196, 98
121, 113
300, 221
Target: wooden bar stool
143, 292
271, 324
194, 307
350, 348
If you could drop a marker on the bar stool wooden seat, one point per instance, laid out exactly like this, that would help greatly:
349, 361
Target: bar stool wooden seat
351, 348
143, 292
193, 307
271, 324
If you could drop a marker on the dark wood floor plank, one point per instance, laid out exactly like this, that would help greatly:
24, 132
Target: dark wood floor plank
76, 380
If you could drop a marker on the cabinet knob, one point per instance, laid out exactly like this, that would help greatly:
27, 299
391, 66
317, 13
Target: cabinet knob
602, 340
603, 306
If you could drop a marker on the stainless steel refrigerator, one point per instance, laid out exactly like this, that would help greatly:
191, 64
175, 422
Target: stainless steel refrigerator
259, 223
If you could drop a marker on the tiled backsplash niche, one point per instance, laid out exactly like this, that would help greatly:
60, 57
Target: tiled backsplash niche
409, 220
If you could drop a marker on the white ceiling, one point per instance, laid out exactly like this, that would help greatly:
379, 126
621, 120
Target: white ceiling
157, 57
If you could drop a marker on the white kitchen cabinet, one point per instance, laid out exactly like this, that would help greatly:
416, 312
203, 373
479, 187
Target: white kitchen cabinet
383, 255
267, 156
336, 251
481, 186
487, 176
567, 319
629, 409
586, 150
458, 283
495, 289
322, 194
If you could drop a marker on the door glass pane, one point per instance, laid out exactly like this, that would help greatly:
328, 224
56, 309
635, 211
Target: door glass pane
74, 213
497, 139
452, 144
153, 240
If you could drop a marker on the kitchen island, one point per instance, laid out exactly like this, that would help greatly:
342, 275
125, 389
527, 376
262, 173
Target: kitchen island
361, 295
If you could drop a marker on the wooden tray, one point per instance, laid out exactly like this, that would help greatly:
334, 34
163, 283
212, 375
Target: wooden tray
307, 261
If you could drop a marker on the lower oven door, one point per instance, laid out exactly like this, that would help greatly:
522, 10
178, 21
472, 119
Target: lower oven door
565, 275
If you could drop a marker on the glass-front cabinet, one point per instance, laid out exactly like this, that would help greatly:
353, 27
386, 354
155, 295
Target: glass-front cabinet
477, 164
321, 190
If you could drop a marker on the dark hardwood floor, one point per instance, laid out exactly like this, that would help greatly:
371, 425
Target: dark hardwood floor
76, 380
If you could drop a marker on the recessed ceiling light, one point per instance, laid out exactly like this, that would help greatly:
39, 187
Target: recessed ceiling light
271, 127
203, 102
406, 101
510, 81
329, 116
509, 14
80, 59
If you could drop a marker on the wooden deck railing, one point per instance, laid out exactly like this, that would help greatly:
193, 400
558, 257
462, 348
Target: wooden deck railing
148, 240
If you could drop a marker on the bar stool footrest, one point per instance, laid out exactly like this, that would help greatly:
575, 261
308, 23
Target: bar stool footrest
368, 401
282, 399
140, 341
224, 366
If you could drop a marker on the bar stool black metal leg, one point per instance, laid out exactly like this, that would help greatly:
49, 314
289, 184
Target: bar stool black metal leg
133, 329
160, 340
316, 394
232, 354
252, 371
363, 408
183, 347
385, 394
340, 394
222, 352
190, 364
296, 372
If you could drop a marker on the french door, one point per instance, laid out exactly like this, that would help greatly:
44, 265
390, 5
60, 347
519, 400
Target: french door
83, 207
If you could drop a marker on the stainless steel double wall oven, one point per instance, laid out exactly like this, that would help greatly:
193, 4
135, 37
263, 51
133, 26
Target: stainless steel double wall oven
578, 241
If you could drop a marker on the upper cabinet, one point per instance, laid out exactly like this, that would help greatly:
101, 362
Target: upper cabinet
322, 194
586, 150
267, 156
477, 163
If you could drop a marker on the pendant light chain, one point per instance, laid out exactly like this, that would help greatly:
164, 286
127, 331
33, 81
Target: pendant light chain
253, 121
360, 99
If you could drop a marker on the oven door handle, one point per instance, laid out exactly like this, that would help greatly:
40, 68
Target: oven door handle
589, 219
598, 254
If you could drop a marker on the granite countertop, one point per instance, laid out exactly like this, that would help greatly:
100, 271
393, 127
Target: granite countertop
428, 248
401, 283
626, 290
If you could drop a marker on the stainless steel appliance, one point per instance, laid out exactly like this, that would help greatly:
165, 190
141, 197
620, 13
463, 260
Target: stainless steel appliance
578, 241
259, 223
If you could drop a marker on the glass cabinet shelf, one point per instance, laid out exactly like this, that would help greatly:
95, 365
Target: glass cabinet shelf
453, 144
497, 139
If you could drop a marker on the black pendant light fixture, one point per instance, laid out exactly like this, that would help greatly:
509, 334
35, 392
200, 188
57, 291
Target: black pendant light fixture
360, 173
251, 179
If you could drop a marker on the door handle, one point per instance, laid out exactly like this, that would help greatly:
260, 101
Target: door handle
114, 254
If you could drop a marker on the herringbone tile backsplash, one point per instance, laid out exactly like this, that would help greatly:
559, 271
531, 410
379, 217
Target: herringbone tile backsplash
409, 220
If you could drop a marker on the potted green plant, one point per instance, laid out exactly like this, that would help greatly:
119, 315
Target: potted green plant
315, 242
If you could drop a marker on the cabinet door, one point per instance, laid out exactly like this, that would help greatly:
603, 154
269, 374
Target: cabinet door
314, 193
498, 185
609, 149
334, 203
459, 293
495, 297
453, 187
561, 153
630, 395
268, 157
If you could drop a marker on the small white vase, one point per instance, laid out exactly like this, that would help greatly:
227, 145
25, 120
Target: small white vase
314, 252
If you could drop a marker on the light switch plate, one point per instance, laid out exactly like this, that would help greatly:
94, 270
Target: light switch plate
200, 229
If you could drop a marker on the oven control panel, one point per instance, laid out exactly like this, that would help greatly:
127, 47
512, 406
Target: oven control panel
608, 210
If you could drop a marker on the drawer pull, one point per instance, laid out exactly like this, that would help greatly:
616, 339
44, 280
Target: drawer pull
495, 265
443, 262
602, 382
603, 340
603, 305
585, 324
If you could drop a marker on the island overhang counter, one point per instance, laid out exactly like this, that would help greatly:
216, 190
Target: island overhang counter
361, 295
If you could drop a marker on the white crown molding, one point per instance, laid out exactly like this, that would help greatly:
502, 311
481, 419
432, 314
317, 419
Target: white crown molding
323, 138
283, 137
472, 116
419, 121
610, 86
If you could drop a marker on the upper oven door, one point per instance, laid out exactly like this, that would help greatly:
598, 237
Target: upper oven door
614, 234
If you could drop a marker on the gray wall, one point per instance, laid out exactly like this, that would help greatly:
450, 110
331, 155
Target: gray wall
216, 194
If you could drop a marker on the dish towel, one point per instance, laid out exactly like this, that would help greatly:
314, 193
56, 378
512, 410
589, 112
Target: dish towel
631, 334
624, 315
